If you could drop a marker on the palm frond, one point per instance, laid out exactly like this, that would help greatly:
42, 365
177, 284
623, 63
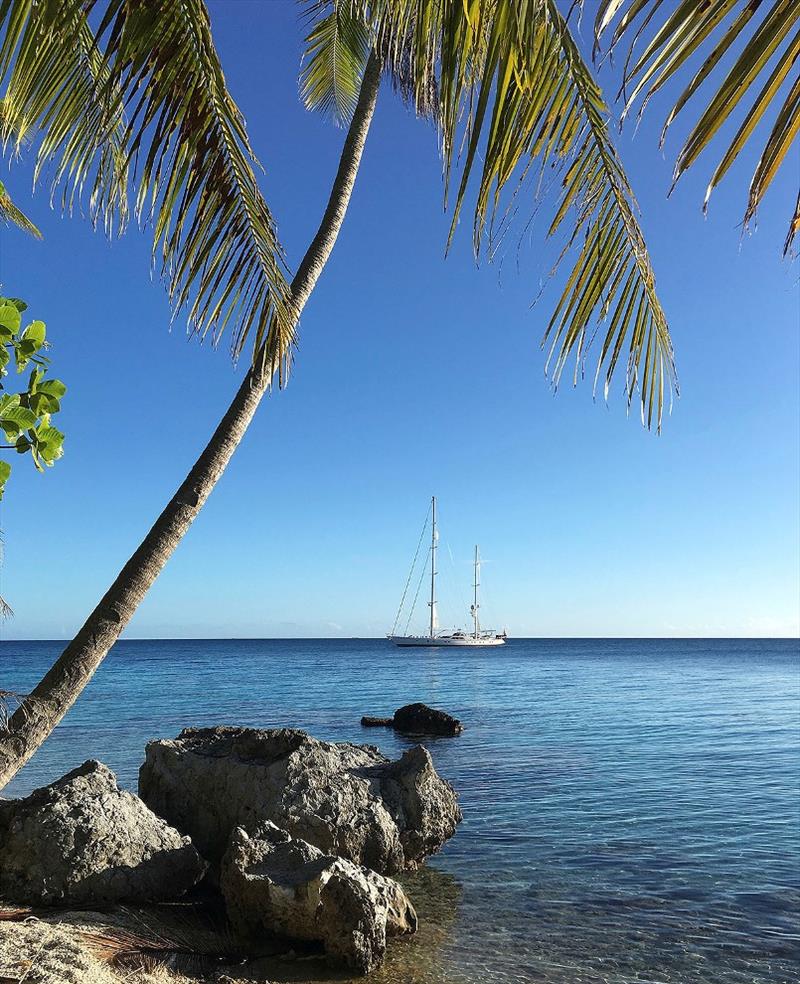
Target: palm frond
155, 92
187, 939
336, 54
768, 47
53, 70
214, 232
516, 102
15, 913
10, 214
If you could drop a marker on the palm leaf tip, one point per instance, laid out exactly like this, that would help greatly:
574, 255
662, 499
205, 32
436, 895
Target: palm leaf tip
516, 103
794, 228
54, 70
763, 42
12, 215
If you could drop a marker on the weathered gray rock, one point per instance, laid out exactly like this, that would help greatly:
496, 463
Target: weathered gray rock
425, 806
419, 719
274, 883
347, 800
83, 839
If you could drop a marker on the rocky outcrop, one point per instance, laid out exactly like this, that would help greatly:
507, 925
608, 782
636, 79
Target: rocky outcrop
346, 800
272, 882
417, 719
82, 839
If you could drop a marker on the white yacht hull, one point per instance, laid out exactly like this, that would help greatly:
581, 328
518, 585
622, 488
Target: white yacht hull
462, 641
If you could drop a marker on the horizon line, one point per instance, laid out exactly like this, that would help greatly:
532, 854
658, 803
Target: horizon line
357, 638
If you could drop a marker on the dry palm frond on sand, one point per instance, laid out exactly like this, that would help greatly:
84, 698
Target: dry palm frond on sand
131, 944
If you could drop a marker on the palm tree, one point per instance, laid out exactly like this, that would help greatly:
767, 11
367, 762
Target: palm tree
142, 101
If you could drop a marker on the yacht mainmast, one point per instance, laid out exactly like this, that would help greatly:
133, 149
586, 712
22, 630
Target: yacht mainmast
434, 537
475, 585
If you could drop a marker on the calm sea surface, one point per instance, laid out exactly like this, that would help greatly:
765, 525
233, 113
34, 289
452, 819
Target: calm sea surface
632, 808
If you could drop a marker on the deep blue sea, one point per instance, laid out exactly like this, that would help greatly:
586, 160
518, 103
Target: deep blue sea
632, 807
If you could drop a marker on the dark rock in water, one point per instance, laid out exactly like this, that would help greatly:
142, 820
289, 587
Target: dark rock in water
371, 722
419, 719
347, 800
274, 883
83, 839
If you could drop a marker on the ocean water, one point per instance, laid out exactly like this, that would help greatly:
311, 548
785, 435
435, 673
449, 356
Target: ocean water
632, 808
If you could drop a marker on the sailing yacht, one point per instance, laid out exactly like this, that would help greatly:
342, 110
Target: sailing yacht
477, 637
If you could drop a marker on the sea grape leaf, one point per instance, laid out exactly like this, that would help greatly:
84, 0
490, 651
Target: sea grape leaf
5, 471
10, 319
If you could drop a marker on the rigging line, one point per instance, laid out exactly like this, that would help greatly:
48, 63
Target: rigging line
457, 581
411, 572
487, 604
414, 605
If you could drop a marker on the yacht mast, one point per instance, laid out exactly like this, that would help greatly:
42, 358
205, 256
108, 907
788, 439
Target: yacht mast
475, 585
432, 602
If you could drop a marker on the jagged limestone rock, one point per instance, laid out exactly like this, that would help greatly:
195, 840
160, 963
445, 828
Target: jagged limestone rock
274, 883
83, 839
347, 800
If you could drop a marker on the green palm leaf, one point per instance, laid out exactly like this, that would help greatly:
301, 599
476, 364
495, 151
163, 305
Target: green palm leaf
53, 69
763, 49
9, 213
336, 54
515, 103
151, 99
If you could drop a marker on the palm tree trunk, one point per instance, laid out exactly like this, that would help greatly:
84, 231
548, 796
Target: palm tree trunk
60, 687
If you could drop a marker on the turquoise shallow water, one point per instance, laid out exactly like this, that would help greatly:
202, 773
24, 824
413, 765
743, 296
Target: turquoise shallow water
632, 808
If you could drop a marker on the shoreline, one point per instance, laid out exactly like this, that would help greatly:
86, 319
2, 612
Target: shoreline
577, 773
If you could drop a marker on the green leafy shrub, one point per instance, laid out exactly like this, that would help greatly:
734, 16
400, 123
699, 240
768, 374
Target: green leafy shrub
25, 416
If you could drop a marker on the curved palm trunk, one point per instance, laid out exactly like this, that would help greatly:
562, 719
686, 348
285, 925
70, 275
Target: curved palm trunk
65, 680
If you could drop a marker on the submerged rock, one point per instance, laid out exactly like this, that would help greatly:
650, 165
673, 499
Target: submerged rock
417, 719
276, 884
83, 839
347, 800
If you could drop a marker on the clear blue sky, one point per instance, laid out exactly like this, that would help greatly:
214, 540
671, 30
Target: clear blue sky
414, 376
